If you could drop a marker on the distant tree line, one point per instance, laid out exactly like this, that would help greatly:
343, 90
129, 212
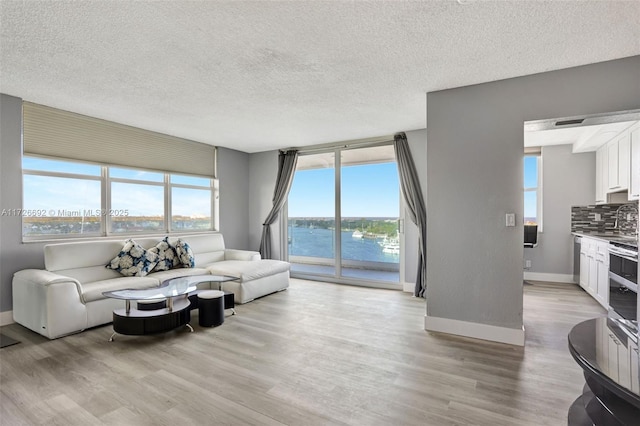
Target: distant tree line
368, 226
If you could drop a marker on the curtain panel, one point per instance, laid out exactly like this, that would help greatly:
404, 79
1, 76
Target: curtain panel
412, 193
286, 168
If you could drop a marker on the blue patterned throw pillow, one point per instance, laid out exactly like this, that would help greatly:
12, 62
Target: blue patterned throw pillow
185, 254
167, 257
134, 260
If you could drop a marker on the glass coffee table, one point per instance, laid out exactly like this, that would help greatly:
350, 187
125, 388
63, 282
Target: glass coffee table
229, 302
171, 310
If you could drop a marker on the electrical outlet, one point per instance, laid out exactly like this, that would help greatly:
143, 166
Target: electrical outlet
527, 264
510, 219
598, 218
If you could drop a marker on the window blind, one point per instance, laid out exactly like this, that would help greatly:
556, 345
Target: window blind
55, 133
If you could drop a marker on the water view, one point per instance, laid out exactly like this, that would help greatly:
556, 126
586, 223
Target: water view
375, 240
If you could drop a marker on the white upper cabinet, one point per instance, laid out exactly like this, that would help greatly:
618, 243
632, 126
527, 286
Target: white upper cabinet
601, 175
618, 163
634, 179
618, 167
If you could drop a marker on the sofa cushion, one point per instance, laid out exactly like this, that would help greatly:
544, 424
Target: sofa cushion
76, 255
248, 270
185, 254
167, 256
93, 290
134, 260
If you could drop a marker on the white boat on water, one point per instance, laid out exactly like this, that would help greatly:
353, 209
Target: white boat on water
391, 248
357, 234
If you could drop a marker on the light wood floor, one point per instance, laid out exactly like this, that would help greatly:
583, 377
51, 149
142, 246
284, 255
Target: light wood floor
315, 354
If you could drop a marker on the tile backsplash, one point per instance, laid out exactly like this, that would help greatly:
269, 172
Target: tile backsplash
583, 219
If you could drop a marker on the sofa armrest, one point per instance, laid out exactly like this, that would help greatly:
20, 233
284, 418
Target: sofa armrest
231, 254
48, 303
44, 278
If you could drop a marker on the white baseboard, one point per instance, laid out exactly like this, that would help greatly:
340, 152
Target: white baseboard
543, 276
510, 336
408, 287
6, 318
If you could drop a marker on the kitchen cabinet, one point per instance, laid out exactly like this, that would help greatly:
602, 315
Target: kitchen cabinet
634, 148
618, 163
584, 265
602, 269
593, 275
601, 175
594, 269
618, 168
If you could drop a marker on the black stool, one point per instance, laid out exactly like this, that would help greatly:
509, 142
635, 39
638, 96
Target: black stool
229, 302
210, 308
152, 305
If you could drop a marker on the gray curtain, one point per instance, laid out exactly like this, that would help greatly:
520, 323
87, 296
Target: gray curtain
410, 185
286, 168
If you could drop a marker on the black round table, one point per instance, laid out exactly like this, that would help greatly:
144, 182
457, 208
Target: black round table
609, 358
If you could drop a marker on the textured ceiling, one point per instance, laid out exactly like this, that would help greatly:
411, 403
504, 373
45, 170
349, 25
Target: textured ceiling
257, 76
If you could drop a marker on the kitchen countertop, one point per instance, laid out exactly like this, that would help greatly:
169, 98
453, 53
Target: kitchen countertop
611, 237
609, 359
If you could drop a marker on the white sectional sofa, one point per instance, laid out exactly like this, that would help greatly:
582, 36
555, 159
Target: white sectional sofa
66, 297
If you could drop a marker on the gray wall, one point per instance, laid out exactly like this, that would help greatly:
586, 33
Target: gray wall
233, 171
568, 180
14, 255
475, 176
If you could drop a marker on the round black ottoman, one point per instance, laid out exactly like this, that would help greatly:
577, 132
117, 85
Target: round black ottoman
210, 308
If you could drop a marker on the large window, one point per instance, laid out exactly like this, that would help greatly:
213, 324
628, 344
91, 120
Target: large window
343, 211
533, 191
63, 199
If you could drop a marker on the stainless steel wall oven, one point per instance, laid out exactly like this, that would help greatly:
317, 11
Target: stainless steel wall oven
623, 281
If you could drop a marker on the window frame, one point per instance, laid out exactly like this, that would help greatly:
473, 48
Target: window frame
106, 199
213, 187
537, 188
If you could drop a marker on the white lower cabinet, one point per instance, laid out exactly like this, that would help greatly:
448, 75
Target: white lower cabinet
594, 269
593, 274
602, 266
584, 268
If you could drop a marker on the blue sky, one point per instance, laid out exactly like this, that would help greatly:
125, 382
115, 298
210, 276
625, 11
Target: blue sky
530, 181
54, 194
370, 190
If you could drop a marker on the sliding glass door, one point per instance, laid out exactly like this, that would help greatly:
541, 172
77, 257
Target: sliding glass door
311, 223
343, 216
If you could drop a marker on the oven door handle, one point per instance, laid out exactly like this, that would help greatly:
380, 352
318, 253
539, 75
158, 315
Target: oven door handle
625, 283
623, 255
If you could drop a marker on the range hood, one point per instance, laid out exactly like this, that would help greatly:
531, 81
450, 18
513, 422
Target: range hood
586, 133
